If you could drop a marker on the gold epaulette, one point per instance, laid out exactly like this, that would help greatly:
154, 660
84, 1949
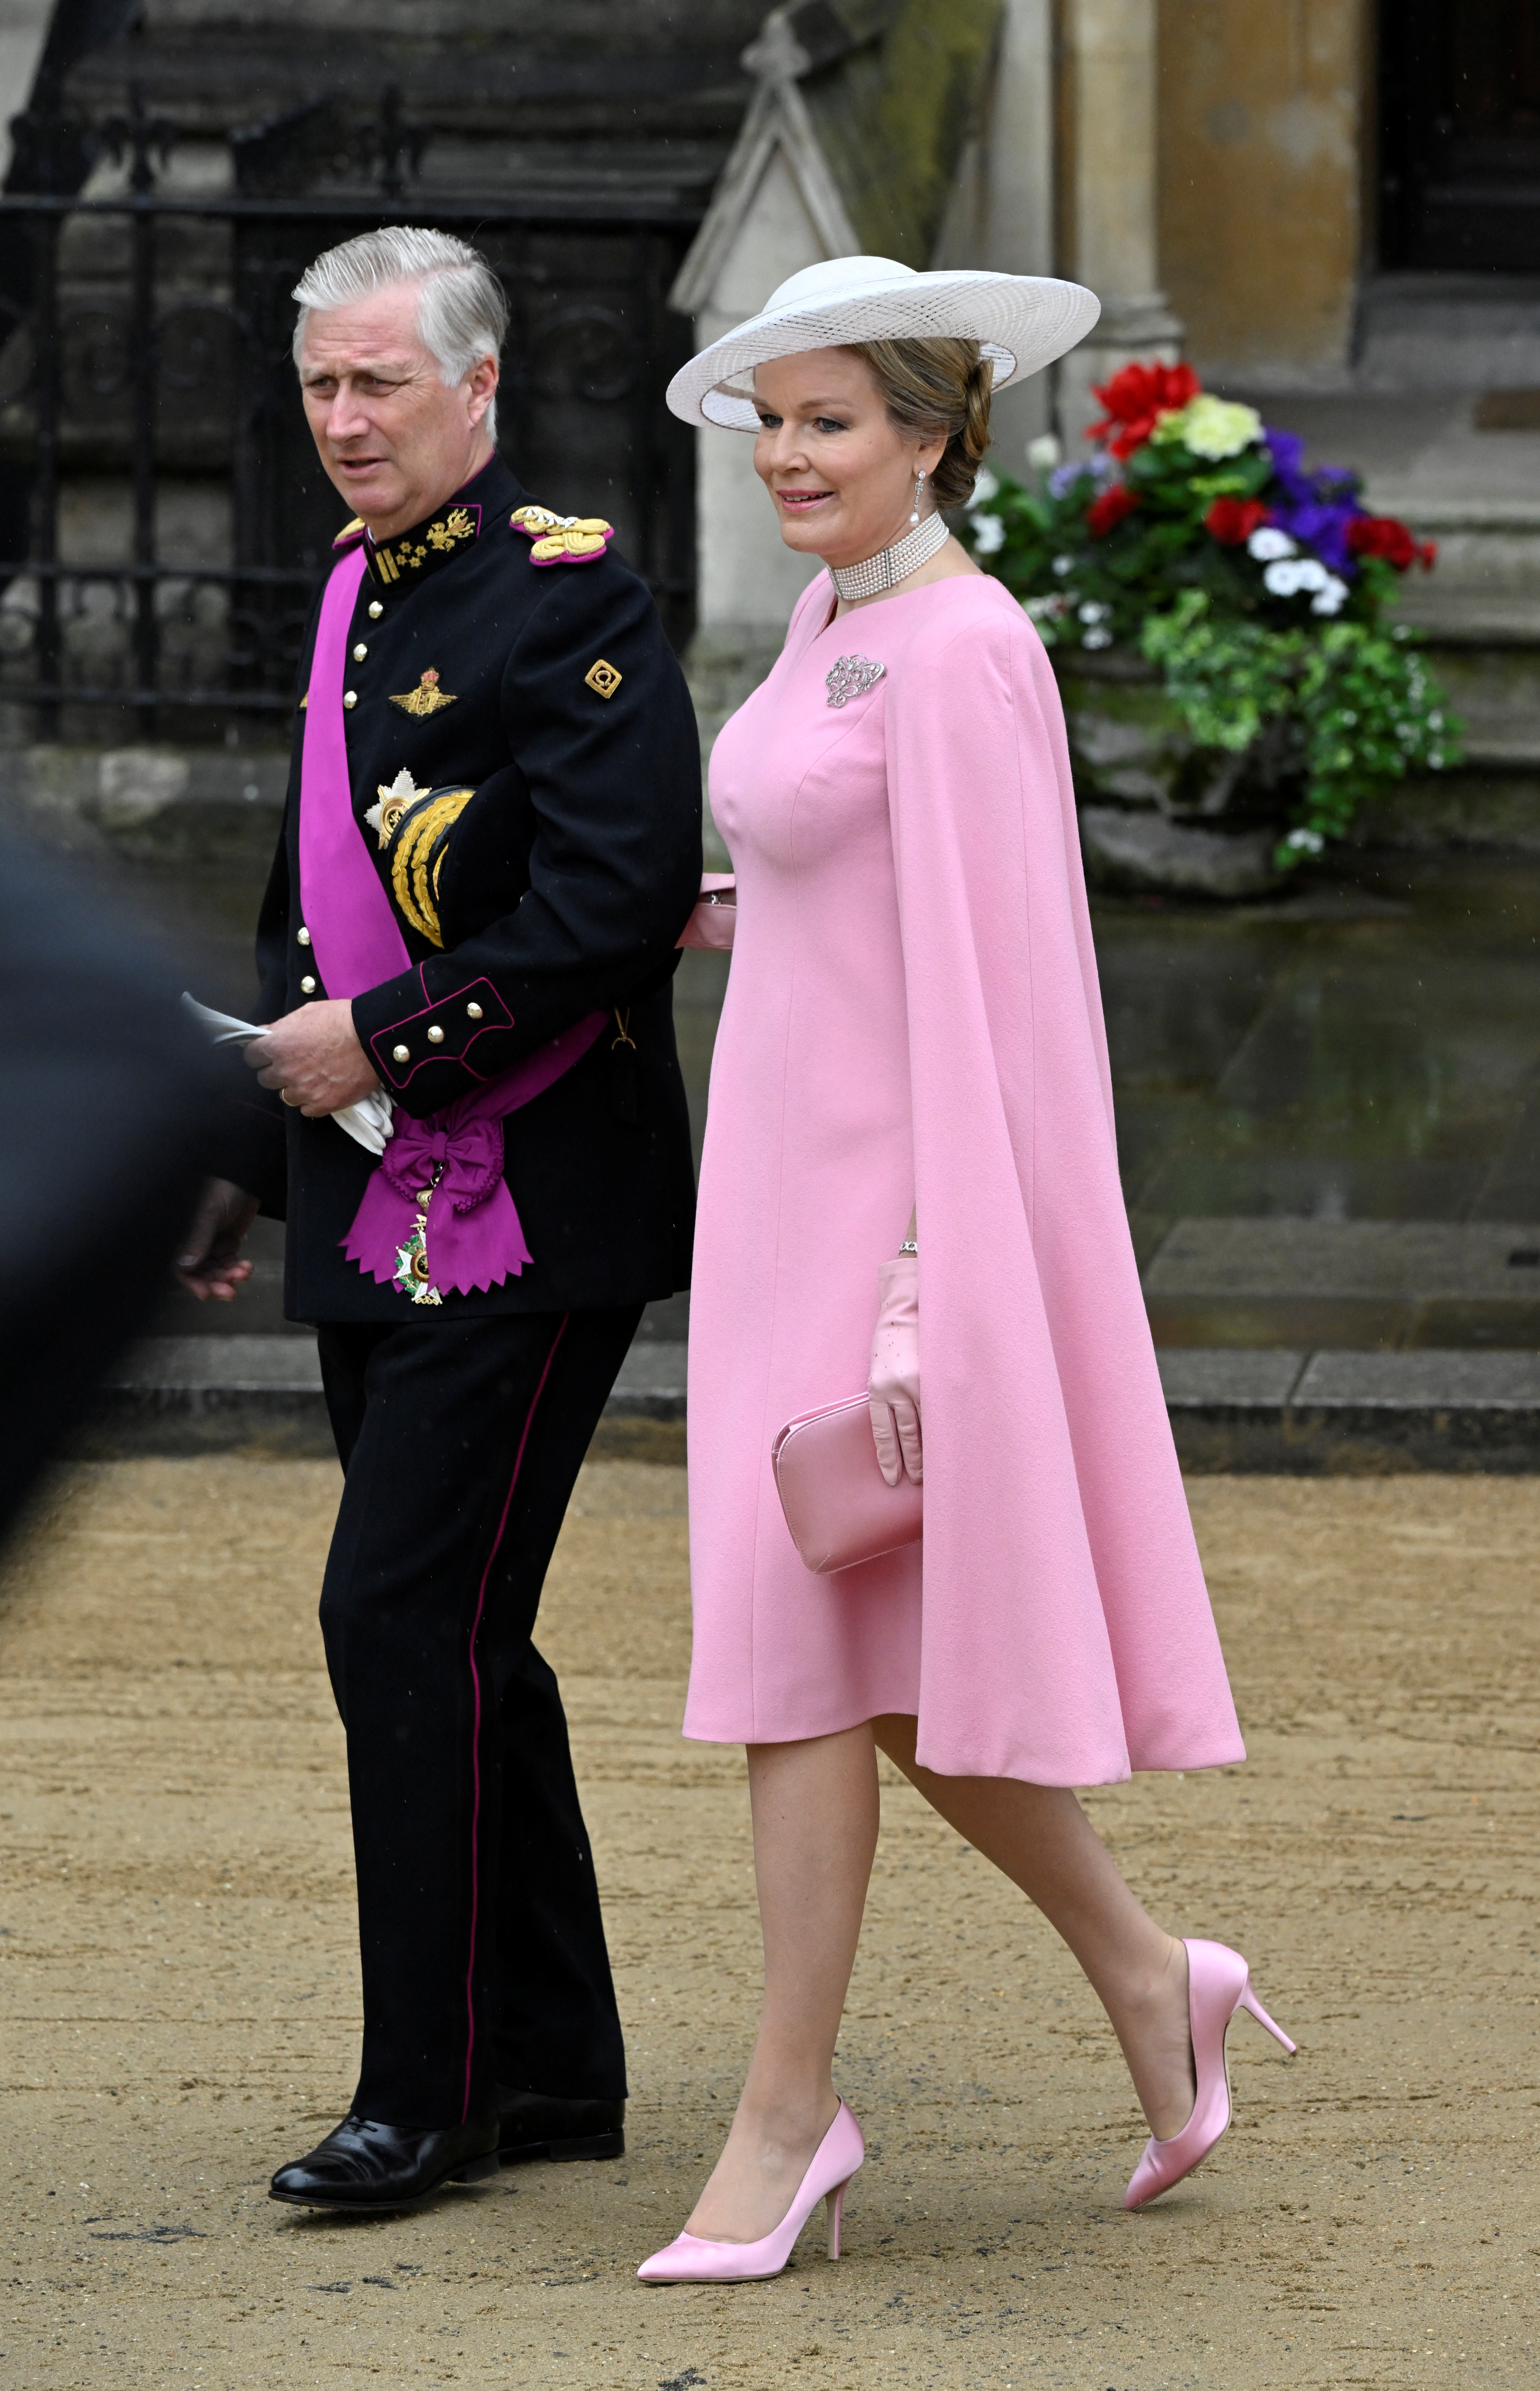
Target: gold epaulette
562, 539
350, 532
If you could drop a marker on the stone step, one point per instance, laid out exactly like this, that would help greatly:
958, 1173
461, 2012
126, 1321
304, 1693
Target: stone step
1327, 1413
1488, 550
1419, 333
1368, 1284
1281, 1409
207, 1393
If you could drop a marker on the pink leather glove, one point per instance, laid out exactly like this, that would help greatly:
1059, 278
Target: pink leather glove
715, 915
894, 1382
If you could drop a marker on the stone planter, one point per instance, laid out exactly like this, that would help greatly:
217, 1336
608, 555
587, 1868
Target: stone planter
1156, 812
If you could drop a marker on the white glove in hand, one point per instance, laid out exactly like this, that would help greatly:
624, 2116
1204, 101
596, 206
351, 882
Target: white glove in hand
893, 1384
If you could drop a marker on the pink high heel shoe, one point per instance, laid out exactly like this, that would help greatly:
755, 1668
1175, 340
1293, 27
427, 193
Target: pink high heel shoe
687, 2259
1218, 1985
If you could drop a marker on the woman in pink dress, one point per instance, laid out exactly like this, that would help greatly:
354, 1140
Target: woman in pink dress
910, 1185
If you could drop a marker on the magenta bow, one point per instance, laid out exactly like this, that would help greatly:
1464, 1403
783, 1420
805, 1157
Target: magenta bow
473, 1236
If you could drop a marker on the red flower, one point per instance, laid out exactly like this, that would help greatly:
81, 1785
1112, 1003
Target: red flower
1234, 520
1382, 535
1135, 399
1105, 514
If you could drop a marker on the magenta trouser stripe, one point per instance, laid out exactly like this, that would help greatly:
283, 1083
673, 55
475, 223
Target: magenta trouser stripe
476, 1720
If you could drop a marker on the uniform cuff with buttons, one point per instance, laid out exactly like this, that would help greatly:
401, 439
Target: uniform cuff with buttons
429, 1054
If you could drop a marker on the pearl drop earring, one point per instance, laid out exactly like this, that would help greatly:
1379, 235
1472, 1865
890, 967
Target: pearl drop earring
920, 491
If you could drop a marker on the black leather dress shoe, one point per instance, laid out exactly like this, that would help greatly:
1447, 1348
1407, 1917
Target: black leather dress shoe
538, 2125
364, 2164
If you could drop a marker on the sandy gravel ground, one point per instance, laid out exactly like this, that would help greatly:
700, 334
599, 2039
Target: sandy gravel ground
179, 1990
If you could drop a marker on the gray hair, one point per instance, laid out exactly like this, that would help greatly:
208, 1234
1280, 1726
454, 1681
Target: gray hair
462, 309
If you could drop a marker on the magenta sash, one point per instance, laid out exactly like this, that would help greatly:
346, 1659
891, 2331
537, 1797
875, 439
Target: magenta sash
472, 1233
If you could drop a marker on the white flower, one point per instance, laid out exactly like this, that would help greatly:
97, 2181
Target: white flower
1268, 543
1097, 640
986, 485
1044, 453
1045, 610
1210, 427
989, 535
1094, 610
1290, 574
1064, 564
1305, 842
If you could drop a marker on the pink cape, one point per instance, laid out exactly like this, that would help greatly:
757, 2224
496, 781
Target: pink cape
913, 1014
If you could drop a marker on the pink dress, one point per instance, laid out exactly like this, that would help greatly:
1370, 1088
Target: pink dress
913, 1017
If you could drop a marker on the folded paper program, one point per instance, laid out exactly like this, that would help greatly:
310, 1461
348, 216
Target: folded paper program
370, 1122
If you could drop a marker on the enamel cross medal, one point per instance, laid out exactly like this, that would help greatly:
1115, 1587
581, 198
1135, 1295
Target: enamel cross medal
411, 1274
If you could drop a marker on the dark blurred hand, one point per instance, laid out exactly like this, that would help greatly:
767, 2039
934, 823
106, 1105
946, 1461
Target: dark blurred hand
210, 1262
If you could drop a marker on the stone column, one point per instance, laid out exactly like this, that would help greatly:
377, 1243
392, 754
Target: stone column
23, 30
1017, 211
1108, 196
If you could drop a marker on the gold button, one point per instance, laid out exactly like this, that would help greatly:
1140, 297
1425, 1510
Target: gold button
359, 652
474, 1011
350, 699
303, 937
307, 986
376, 610
401, 1054
435, 1035
423, 1194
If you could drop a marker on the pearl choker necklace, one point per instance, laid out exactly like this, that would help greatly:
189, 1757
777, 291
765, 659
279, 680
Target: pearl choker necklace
890, 565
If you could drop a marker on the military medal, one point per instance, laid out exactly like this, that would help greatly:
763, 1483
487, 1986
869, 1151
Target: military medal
385, 817
412, 1275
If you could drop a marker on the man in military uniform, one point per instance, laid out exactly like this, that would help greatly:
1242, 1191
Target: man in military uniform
490, 846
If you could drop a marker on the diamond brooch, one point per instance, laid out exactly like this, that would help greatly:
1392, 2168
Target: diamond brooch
851, 676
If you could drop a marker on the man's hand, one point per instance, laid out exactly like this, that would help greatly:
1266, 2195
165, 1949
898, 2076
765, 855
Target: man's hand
314, 1058
210, 1262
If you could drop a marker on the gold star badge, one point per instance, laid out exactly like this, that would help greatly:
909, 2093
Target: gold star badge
427, 698
385, 817
602, 678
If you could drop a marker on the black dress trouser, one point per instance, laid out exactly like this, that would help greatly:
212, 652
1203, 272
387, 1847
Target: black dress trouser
481, 1943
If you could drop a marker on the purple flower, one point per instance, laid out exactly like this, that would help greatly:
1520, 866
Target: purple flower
1313, 508
1098, 466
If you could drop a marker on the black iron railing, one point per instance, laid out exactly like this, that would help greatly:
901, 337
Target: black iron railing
163, 518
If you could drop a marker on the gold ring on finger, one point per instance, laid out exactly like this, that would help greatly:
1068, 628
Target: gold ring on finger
287, 1098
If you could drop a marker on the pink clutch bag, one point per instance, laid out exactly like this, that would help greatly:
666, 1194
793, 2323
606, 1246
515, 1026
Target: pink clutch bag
838, 1504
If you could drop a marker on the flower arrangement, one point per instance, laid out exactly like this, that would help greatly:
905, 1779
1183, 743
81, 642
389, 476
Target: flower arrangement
1193, 536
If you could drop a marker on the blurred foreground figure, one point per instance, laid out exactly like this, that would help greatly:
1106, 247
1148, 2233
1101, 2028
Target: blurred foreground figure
104, 1093
475, 1129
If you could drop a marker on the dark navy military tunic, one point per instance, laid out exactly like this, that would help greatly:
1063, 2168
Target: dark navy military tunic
565, 882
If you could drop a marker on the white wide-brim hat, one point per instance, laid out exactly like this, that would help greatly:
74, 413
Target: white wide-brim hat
1021, 321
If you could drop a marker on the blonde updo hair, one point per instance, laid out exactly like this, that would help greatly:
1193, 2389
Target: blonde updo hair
933, 386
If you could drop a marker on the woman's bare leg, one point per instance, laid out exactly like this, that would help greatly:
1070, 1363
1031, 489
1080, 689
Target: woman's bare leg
1039, 1836
814, 1809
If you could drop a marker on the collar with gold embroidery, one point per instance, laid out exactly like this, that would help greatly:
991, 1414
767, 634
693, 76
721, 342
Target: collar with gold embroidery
410, 556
